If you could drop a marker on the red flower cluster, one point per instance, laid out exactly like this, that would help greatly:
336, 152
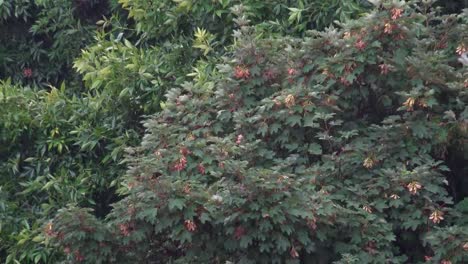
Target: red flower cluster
187, 189
201, 168
360, 45
67, 250
239, 139
396, 13
184, 151
78, 256
399, 36
124, 229
389, 27
461, 49
50, 231
190, 225
27, 72
241, 72
384, 69
293, 253
344, 81
239, 232
292, 71
312, 224
180, 164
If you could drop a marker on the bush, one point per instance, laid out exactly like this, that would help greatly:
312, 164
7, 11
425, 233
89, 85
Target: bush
330, 148
61, 146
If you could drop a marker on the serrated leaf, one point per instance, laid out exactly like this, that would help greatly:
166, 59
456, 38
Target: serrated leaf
315, 149
176, 204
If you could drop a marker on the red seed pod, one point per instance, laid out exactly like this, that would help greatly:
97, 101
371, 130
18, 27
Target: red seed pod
201, 168
396, 13
124, 229
78, 256
292, 71
27, 72
294, 253
239, 232
184, 151
67, 250
239, 139
360, 45
384, 69
190, 225
241, 72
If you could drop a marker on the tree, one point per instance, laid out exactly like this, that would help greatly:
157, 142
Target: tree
328, 148
67, 115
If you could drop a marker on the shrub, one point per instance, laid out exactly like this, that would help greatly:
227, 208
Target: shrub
61, 146
330, 148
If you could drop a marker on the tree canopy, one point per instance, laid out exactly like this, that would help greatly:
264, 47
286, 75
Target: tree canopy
233, 132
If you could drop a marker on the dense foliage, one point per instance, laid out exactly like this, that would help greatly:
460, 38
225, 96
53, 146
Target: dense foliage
271, 142
40, 39
61, 146
325, 148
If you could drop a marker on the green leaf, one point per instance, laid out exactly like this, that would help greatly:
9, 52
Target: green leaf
176, 204
245, 241
315, 149
294, 120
